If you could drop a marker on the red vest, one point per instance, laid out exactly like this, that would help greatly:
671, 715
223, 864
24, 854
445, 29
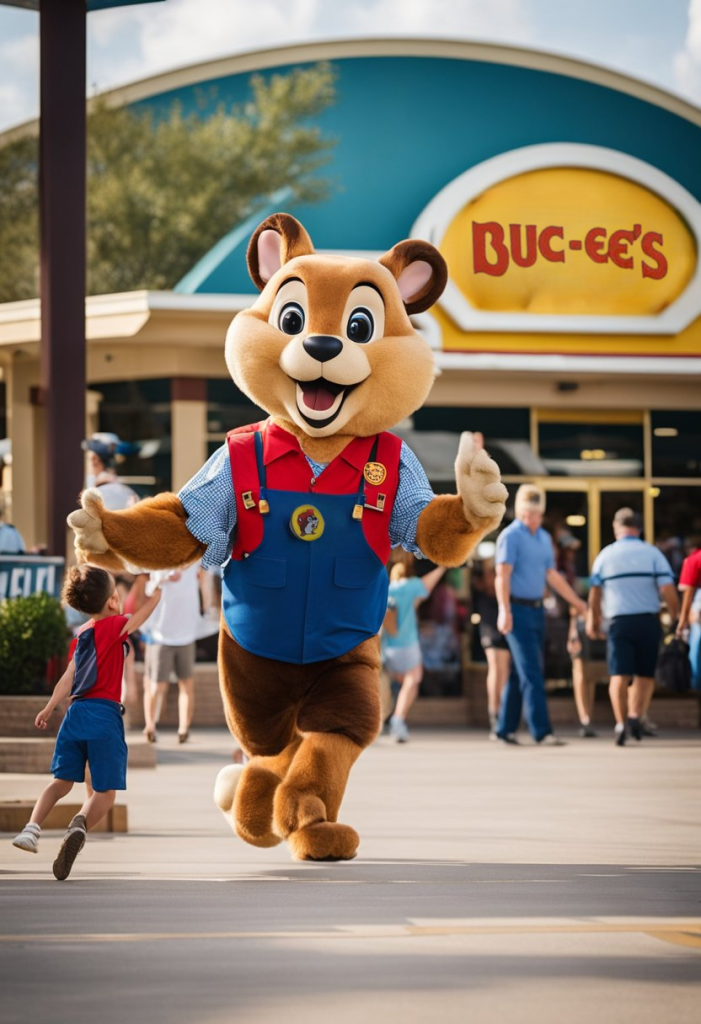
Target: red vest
288, 470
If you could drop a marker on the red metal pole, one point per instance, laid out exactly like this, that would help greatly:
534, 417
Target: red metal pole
62, 216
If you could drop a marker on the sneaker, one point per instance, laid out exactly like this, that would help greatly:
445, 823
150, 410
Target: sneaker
509, 739
73, 843
398, 730
551, 740
647, 727
587, 733
620, 736
635, 728
28, 839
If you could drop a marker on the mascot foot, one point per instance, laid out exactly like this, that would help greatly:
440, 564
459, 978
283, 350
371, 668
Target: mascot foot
245, 794
326, 840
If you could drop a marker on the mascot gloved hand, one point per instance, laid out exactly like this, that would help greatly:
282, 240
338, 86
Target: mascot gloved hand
302, 510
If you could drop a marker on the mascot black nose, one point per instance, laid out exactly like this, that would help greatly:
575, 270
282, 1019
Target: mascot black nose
322, 346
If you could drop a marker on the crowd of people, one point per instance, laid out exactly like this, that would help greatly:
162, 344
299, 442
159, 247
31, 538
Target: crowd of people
631, 581
164, 612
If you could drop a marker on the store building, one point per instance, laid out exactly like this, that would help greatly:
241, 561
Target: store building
566, 200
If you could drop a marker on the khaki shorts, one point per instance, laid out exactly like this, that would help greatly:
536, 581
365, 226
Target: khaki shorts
162, 661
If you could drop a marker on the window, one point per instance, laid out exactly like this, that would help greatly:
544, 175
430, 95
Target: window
676, 444
139, 411
433, 432
591, 449
677, 522
227, 408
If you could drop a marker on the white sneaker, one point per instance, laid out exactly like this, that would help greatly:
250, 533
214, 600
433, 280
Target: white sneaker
398, 730
28, 839
551, 740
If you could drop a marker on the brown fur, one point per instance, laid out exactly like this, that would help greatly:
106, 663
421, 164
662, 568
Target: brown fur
304, 725
443, 534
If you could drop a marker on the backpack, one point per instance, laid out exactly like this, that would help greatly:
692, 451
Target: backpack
673, 666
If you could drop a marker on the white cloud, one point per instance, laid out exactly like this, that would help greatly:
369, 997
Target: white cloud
687, 62
19, 85
137, 42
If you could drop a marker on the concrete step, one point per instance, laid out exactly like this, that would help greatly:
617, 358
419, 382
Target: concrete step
33, 756
14, 815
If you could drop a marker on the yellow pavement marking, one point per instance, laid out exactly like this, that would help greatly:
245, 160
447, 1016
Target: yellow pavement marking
689, 939
687, 933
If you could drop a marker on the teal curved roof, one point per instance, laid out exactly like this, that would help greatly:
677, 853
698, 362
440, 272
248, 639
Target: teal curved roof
407, 125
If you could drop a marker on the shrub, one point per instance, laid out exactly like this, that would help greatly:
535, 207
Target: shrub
33, 630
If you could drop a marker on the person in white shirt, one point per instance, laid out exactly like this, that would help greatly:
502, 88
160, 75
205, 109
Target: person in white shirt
101, 472
630, 576
172, 631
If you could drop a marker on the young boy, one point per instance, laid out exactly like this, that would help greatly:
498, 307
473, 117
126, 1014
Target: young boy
92, 730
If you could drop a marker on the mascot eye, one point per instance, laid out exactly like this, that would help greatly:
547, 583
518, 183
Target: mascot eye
291, 319
360, 326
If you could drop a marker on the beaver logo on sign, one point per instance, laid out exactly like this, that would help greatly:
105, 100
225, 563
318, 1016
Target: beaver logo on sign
307, 523
374, 473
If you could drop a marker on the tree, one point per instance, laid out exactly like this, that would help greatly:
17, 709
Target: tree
164, 187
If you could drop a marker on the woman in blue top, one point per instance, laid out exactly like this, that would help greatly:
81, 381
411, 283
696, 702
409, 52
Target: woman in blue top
401, 650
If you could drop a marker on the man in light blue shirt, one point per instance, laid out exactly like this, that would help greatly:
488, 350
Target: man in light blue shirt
630, 575
525, 565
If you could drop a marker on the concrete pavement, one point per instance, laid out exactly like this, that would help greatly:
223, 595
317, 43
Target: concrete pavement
493, 883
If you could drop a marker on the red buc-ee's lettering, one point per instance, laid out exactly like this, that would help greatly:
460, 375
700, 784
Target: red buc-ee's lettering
492, 254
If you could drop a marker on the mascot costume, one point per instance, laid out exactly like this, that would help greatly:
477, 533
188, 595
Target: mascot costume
302, 510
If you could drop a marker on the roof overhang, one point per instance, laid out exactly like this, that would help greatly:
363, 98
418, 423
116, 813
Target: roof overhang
153, 317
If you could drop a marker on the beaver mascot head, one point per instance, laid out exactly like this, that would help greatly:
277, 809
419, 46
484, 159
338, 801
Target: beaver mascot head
329, 351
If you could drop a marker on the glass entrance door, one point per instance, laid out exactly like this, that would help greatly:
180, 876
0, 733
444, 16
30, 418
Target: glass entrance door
609, 503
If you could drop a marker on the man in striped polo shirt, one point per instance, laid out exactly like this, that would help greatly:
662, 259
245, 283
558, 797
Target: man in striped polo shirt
631, 575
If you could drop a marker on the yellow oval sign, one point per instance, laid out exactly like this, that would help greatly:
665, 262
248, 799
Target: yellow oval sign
568, 240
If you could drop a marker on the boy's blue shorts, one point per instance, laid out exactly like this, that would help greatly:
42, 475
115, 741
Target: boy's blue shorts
92, 732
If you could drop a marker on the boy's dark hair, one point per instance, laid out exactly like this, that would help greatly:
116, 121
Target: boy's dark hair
87, 588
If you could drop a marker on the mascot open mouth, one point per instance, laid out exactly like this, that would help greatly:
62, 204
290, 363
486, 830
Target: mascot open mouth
320, 401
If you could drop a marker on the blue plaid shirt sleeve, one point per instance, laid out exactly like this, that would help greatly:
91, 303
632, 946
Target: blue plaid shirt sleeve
210, 504
414, 493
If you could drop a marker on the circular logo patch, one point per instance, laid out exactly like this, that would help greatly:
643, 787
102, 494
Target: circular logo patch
374, 473
307, 522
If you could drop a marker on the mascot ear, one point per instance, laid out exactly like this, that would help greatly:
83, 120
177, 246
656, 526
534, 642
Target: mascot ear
420, 272
278, 239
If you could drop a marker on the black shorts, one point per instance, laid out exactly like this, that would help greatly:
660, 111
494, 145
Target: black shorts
633, 644
491, 638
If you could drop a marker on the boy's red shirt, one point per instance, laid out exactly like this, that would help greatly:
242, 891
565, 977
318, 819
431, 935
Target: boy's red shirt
112, 649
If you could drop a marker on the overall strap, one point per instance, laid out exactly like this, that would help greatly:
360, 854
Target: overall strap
380, 482
245, 477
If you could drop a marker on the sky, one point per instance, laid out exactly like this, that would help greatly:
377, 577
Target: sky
658, 41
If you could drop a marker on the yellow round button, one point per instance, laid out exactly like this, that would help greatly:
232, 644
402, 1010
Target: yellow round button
307, 522
374, 473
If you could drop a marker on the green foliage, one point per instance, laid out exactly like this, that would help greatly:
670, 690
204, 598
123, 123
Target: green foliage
19, 220
163, 188
32, 631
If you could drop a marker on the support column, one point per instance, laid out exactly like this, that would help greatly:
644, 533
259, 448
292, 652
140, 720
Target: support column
188, 396
62, 159
27, 471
